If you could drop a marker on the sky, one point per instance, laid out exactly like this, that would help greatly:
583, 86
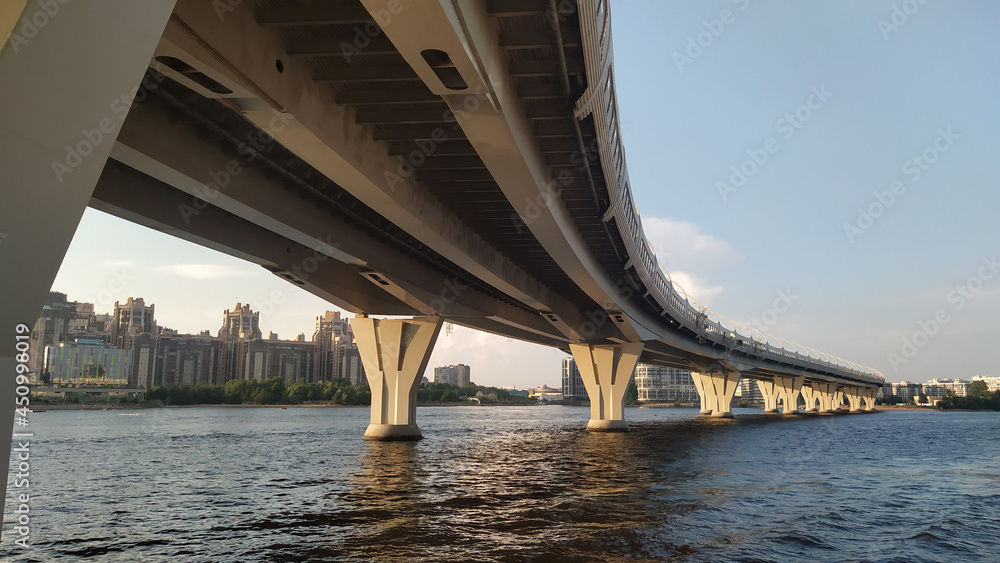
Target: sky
824, 171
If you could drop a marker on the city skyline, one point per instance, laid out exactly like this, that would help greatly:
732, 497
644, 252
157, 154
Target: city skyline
261, 332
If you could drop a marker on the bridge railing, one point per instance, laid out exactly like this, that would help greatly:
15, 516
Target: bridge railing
600, 100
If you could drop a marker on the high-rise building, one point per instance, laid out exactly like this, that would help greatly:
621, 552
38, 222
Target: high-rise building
240, 326
331, 335
145, 348
288, 359
454, 374
351, 367
51, 329
187, 358
572, 384
131, 319
82, 348
658, 383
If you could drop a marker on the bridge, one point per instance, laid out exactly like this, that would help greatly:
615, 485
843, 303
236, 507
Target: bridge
409, 161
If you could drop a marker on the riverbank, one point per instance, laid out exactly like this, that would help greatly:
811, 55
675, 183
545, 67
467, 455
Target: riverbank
110, 407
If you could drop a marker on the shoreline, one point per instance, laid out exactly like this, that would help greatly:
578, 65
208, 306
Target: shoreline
118, 407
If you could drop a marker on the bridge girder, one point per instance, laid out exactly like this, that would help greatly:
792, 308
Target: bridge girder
241, 53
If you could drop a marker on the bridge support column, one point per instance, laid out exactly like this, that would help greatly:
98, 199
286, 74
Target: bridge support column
838, 400
718, 389
809, 394
854, 396
825, 392
64, 69
771, 394
606, 371
871, 394
706, 408
789, 387
395, 353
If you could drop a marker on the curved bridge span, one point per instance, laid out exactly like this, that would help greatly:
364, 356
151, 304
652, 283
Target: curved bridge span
424, 161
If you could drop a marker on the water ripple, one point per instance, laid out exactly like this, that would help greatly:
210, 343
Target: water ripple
513, 484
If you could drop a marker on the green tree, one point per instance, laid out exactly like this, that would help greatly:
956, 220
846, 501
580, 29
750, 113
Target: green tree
979, 389
632, 394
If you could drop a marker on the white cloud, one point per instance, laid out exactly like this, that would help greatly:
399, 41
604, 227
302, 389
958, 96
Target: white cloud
682, 245
682, 249
202, 271
116, 263
695, 286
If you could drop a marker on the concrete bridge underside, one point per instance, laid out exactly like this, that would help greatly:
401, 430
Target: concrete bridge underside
448, 162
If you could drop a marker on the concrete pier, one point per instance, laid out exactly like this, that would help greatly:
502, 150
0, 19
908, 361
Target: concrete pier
718, 389
395, 354
606, 371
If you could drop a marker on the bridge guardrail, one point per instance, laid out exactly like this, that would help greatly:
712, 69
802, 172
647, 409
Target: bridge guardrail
600, 100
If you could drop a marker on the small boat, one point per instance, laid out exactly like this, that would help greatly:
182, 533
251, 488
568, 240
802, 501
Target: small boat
284, 408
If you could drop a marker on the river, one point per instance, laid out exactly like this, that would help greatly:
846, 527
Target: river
510, 484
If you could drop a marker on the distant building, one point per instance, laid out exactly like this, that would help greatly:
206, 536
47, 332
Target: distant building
131, 319
351, 367
960, 387
51, 329
332, 335
546, 393
572, 383
83, 348
932, 390
240, 326
906, 391
287, 359
186, 358
658, 383
454, 374
87, 361
992, 383
145, 348
750, 391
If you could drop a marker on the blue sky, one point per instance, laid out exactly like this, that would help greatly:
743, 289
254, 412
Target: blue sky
839, 97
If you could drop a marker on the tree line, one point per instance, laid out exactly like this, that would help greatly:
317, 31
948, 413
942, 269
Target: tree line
979, 398
276, 391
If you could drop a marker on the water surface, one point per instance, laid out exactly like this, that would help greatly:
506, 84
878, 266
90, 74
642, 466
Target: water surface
511, 484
